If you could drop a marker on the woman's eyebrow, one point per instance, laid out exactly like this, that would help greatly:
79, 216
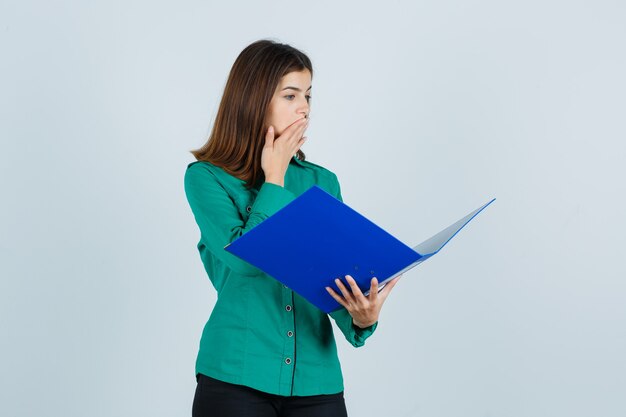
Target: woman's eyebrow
296, 88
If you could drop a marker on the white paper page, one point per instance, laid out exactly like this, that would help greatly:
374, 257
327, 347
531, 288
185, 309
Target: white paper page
435, 243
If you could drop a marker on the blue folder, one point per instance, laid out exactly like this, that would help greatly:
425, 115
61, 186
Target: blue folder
317, 238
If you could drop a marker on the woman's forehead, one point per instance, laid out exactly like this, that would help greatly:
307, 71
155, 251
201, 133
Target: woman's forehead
299, 79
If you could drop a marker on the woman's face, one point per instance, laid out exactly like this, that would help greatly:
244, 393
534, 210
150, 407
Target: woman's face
290, 101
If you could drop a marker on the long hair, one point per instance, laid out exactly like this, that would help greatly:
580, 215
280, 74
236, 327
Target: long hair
238, 134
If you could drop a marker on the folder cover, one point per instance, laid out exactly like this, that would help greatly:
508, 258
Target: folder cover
317, 238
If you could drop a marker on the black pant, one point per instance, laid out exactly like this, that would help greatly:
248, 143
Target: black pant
215, 398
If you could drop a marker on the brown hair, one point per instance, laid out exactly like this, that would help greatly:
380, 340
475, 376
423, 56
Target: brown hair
238, 135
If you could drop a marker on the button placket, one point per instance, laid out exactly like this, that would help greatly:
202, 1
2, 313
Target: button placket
289, 353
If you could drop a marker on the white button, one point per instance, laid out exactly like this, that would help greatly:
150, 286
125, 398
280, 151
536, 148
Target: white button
289, 333
288, 307
288, 361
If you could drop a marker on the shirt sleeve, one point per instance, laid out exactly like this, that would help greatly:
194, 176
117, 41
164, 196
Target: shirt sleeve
355, 335
218, 218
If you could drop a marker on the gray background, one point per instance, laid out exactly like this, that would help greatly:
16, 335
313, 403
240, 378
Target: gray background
425, 110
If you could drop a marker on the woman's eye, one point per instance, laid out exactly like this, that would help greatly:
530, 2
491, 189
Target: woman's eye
289, 97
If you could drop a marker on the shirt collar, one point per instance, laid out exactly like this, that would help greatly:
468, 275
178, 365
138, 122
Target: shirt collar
299, 162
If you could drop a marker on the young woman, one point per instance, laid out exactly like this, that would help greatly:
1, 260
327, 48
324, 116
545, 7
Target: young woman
266, 351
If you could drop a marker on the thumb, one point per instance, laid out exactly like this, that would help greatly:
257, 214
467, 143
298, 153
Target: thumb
385, 292
269, 136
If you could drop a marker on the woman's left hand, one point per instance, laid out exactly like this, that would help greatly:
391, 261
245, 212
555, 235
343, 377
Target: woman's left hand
364, 310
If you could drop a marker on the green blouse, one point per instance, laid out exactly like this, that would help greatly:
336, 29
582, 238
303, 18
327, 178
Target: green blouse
260, 333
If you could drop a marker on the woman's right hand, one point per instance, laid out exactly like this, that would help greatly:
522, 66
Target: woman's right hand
278, 152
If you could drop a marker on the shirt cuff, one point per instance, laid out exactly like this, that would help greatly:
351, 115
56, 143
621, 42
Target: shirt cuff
363, 333
271, 198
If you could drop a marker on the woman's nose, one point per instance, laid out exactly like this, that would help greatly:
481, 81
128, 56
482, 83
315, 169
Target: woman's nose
305, 110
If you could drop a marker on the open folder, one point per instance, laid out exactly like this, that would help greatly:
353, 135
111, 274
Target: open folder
317, 238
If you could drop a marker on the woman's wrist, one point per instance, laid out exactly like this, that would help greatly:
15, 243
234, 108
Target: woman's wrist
276, 179
362, 325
